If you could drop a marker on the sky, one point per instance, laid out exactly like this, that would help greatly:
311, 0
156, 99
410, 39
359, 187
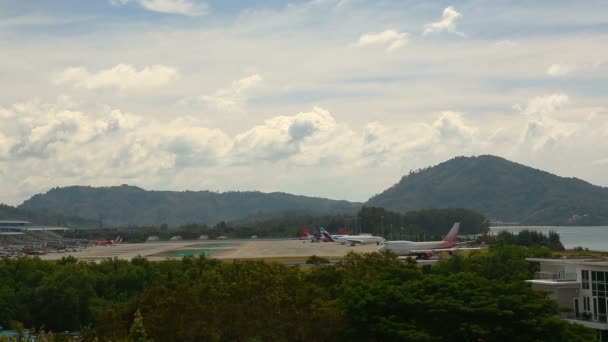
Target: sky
327, 98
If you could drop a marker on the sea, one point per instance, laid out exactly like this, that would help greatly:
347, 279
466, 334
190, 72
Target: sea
595, 238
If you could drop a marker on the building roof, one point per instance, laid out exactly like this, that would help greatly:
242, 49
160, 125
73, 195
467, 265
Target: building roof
572, 261
553, 283
43, 228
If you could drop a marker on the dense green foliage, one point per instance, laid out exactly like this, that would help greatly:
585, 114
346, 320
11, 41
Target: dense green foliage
371, 297
435, 223
500, 190
526, 238
418, 225
129, 205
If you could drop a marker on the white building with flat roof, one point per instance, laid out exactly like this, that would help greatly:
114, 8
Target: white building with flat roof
578, 284
23, 231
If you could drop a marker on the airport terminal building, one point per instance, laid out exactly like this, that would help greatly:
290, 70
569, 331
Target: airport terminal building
580, 285
17, 232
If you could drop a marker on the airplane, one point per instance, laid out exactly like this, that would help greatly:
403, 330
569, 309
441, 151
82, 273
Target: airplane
362, 239
108, 242
305, 235
316, 236
425, 250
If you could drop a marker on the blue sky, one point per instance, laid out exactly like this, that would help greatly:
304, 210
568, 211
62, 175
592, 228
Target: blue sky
332, 98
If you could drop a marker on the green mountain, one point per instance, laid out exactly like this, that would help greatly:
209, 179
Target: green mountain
501, 190
128, 205
8, 212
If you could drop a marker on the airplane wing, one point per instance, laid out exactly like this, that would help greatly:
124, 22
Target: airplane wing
465, 243
445, 249
457, 248
355, 241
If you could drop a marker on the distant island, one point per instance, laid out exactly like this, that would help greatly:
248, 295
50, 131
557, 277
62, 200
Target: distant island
501, 190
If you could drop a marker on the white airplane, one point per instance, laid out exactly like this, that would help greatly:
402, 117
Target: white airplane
352, 239
425, 250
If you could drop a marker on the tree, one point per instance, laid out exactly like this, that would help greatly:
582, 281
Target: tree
137, 333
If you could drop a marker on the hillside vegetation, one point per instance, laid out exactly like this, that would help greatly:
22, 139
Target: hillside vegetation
11, 213
128, 205
500, 190
416, 225
494, 187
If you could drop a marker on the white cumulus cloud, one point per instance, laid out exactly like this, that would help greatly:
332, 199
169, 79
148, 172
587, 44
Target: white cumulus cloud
543, 128
556, 70
543, 105
389, 145
451, 127
283, 136
231, 99
121, 76
183, 7
446, 24
392, 39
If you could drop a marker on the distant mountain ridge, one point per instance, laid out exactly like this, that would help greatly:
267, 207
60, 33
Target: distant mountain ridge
42, 217
129, 205
500, 190
495, 187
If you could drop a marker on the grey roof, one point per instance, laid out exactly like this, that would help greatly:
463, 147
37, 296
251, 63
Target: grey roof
572, 261
39, 228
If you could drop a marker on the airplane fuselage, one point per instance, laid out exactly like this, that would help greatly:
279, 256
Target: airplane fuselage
361, 239
413, 247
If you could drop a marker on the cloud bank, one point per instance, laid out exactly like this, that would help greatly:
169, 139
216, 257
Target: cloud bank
121, 76
74, 146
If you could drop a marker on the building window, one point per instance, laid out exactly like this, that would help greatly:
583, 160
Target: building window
599, 287
585, 276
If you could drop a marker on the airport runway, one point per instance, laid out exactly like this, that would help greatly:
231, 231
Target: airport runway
221, 249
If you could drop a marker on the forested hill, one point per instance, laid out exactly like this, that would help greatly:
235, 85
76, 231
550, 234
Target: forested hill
45, 218
129, 205
500, 190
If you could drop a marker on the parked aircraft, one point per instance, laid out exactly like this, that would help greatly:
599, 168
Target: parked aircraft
109, 242
361, 239
426, 249
305, 235
316, 236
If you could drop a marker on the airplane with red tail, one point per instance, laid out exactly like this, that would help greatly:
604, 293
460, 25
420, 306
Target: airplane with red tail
108, 242
426, 249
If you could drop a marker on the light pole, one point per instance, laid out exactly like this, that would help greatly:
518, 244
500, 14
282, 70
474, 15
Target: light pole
382, 224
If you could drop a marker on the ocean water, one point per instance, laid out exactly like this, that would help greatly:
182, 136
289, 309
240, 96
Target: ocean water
595, 238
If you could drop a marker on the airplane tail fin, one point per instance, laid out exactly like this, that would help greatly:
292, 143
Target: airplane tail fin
305, 232
326, 234
118, 239
453, 233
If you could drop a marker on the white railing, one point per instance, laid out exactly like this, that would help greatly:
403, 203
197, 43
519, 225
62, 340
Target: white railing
555, 276
585, 316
